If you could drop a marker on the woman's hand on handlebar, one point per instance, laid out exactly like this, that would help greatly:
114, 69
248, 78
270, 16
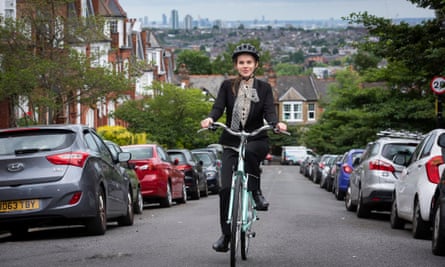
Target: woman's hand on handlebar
281, 127
206, 123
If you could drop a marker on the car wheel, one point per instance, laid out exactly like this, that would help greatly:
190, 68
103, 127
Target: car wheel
197, 193
128, 218
183, 198
438, 240
19, 231
338, 194
362, 210
348, 201
421, 228
205, 193
139, 204
167, 201
394, 220
98, 224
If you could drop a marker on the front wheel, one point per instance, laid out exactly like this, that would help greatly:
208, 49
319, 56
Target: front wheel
421, 228
348, 200
247, 233
235, 224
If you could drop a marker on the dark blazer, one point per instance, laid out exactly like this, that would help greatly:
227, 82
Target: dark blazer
264, 109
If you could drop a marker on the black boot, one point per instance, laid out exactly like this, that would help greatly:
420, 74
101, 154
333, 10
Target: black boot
260, 201
222, 244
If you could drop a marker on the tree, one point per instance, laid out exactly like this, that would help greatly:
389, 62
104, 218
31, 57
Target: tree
41, 68
355, 114
197, 62
171, 118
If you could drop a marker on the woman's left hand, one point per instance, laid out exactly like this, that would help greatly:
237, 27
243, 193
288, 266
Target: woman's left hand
281, 126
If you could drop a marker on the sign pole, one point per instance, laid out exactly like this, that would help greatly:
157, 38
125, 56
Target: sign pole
438, 86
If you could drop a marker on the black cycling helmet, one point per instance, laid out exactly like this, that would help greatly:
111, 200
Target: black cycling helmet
245, 48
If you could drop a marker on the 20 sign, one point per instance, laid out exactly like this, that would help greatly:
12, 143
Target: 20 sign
438, 85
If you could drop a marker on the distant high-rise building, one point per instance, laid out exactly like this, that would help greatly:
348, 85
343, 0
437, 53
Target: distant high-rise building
164, 19
188, 22
174, 19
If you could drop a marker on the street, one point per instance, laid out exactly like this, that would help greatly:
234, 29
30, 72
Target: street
305, 226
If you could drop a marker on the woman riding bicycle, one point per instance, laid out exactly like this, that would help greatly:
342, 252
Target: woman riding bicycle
247, 102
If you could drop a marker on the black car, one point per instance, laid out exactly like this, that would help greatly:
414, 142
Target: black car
129, 172
212, 168
61, 175
191, 166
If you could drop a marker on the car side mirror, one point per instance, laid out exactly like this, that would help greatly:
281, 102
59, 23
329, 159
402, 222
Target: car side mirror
441, 140
175, 161
201, 163
401, 158
356, 162
124, 156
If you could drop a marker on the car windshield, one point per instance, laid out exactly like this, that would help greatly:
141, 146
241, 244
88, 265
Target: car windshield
205, 158
34, 141
139, 153
390, 150
179, 156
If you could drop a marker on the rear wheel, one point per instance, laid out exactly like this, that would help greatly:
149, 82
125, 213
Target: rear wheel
197, 193
438, 240
98, 224
235, 224
183, 198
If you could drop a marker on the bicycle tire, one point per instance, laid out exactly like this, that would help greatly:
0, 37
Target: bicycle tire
235, 225
246, 233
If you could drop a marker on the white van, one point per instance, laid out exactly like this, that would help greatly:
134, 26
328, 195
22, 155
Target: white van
294, 155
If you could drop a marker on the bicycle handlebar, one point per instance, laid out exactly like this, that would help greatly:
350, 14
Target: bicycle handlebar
242, 133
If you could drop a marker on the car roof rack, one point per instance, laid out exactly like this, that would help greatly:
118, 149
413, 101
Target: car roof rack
400, 134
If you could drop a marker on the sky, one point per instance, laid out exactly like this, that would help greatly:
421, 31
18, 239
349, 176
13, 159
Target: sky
271, 9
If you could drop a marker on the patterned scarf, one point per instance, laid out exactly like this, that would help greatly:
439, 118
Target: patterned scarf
246, 95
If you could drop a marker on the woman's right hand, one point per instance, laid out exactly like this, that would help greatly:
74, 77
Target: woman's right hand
206, 123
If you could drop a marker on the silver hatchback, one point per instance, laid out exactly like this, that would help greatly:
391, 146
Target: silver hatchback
61, 175
372, 182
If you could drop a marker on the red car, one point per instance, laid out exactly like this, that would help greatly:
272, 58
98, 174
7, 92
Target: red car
161, 181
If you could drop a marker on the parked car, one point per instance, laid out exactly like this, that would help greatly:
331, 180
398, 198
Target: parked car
61, 175
306, 165
318, 166
294, 155
333, 172
161, 181
326, 171
414, 190
371, 184
191, 166
127, 171
212, 168
438, 209
341, 181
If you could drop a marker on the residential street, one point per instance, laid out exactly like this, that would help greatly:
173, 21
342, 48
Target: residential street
305, 226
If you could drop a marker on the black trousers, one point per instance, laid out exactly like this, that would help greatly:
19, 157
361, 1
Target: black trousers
256, 151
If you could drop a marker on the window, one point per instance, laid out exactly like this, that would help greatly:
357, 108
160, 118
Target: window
311, 112
292, 111
113, 26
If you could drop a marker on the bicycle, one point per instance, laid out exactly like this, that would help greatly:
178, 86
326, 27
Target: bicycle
242, 213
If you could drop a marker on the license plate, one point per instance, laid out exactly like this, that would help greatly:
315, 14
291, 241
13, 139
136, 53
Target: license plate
18, 205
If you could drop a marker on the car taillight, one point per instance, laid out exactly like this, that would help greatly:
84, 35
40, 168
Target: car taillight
347, 168
71, 158
75, 198
432, 169
380, 165
321, 165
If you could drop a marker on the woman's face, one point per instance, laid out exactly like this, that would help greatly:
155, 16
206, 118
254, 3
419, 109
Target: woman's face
245, 65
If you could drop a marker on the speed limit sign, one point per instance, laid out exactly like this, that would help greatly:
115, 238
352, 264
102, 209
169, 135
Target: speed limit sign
438, 85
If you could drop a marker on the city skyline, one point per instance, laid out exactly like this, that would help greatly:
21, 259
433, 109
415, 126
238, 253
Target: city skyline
232, 10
